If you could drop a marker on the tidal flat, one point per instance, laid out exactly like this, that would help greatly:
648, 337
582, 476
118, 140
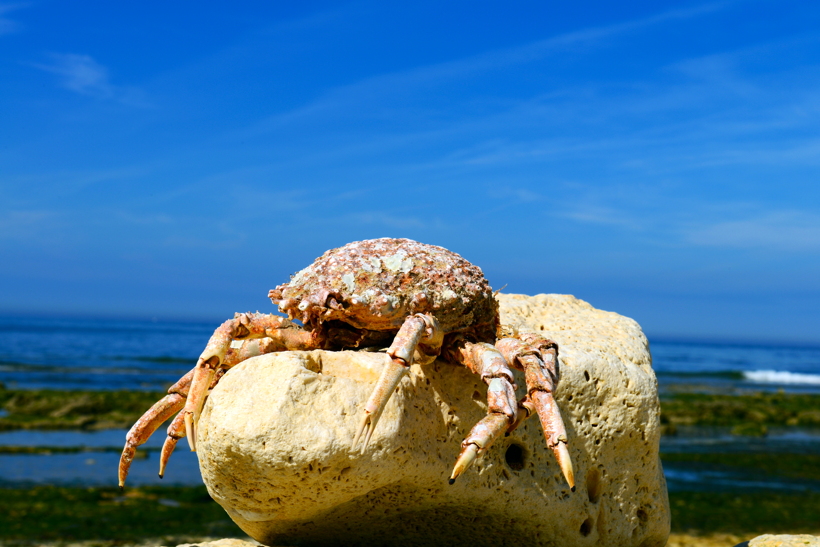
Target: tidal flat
737, 465
172, 515
63, 409
168, 515
750, 413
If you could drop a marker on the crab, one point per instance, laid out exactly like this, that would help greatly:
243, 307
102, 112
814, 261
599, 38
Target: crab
420, 301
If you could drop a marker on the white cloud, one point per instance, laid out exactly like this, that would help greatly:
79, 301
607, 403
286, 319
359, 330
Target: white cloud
391, 221
598, 214
7, 26
84, 75
80, 73
222, 236
778, 230
26, 225
370, 91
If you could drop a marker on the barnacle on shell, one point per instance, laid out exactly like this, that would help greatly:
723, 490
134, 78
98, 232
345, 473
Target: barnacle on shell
375, 284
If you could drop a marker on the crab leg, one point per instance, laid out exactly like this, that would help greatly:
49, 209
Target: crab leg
538, 358
418, 332
486, 361
284, 338
145, 426
176, 431
243, 326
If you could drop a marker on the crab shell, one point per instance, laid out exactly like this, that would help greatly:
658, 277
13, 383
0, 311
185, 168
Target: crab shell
376, 284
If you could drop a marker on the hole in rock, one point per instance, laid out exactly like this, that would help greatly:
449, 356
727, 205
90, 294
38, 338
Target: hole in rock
586, 527
586, 376
514, 456
643, 516
594, 485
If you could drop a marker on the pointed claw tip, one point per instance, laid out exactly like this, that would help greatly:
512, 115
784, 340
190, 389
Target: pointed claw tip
565, 463
451, 481
363, 426
190, 431
160, 476
122, 487
572, 489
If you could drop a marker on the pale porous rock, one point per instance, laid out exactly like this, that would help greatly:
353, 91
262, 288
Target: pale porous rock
228, 542
767, 540
276, 433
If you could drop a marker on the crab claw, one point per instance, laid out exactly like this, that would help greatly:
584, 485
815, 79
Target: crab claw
175, 432
126, 458
554, 432
391, 375
481, 437
144, 427
167, 449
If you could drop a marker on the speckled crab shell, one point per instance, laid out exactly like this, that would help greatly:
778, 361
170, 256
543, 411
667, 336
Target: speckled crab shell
376, 284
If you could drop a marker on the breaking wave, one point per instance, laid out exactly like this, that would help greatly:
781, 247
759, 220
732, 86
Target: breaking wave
781, 377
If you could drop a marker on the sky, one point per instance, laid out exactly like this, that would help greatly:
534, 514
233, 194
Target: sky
179, 159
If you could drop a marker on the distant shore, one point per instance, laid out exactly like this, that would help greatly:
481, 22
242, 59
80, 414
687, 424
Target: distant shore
747, 414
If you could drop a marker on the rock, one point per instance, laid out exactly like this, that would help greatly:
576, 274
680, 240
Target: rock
714, 539
802, 540
228, 542
275, 446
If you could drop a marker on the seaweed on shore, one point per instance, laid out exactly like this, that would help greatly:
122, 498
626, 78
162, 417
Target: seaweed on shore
745, 514
57, 409
110, 517
765, 465
746, 413
53, 513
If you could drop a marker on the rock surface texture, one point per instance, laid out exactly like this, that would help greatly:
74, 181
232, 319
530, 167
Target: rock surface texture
275, 446
801, 540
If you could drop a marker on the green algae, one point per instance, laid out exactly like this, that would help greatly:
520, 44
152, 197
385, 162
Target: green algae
169, 514
51, 513
747, 414
57, 409
766, 465
745, 514
110, 517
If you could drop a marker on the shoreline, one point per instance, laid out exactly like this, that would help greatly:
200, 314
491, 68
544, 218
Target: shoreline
154, 515
140, 515
750, 413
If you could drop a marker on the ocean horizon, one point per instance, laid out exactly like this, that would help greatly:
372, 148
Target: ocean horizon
99, 352
103, 353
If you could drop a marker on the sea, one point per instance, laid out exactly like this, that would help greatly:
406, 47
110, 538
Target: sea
70, 353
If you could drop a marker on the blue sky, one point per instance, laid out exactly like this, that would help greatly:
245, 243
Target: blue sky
658, 159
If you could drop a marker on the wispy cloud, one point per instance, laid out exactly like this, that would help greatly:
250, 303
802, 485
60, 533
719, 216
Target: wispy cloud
8, 26
370, 91
790, 230
223, 236
26, 225
396, 221
151, 219
599, 214
84, 75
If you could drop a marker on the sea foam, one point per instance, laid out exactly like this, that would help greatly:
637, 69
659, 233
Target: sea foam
781, 377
